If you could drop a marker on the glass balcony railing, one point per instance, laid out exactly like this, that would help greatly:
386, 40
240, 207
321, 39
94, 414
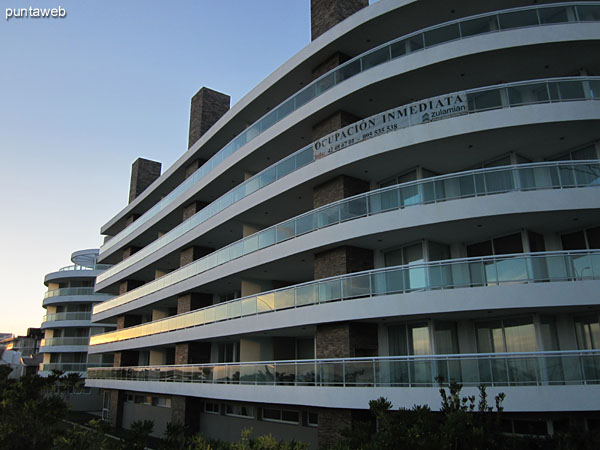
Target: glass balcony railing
79, 267
490, 369
68, 316
490, 181
449, 274
465, 28
51, 342
72, 367
75, 291
484, 99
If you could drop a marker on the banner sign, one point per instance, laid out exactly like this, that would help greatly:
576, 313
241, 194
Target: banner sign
394, 119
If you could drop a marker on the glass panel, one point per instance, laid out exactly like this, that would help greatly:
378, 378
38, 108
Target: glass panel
285, 231
558, 14
325, 83
265, 303
383, 201
249, 306
375, 58
306, 295
284, 167
484, 100
267, 177
442, 34
358, 286
531, 93
347, 71
588, 13
328, 216
304, 157
330, 290
353, 208
305, 95
571, 90
415, 43
399, 48
286, 108
306, 223
410, 195
266, 238
478, 26
512, 270
284, 299
518, 19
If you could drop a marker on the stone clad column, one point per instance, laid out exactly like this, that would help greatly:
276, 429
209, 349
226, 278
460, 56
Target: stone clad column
143, 173
325, 14
206, 108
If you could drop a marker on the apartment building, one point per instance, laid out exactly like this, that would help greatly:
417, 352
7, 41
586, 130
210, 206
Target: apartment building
412, 197
67, 325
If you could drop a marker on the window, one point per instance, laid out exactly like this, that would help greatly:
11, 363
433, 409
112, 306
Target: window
411, 339
280, 415
312, 419
587, 330
585, 153
581, 240
211, 408
163, 402
142, 399
239, 411
497, 246
506, 335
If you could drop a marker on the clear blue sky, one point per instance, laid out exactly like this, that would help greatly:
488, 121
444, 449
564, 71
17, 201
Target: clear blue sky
82, 97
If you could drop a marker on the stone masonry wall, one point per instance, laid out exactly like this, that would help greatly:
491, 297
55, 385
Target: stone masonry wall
331, 424
191, 209
191, 254
338, 188
191, 301
342, 260
324, 14
333, 123
330, 63
193, 166
333, 341
143, 174
116, 408
206, 108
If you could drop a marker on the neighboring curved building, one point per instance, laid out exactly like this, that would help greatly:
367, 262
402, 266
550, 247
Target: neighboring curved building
414, 195
67, 326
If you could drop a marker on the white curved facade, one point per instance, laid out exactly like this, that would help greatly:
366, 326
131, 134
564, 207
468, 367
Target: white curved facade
67, 324
428, 208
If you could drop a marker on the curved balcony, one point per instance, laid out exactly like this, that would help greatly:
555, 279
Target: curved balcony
465, 28
489, 369
508, 95
71, 367
438, 275
481, 182
63, 292
64, 341
74, 295
80, 267
79, 316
